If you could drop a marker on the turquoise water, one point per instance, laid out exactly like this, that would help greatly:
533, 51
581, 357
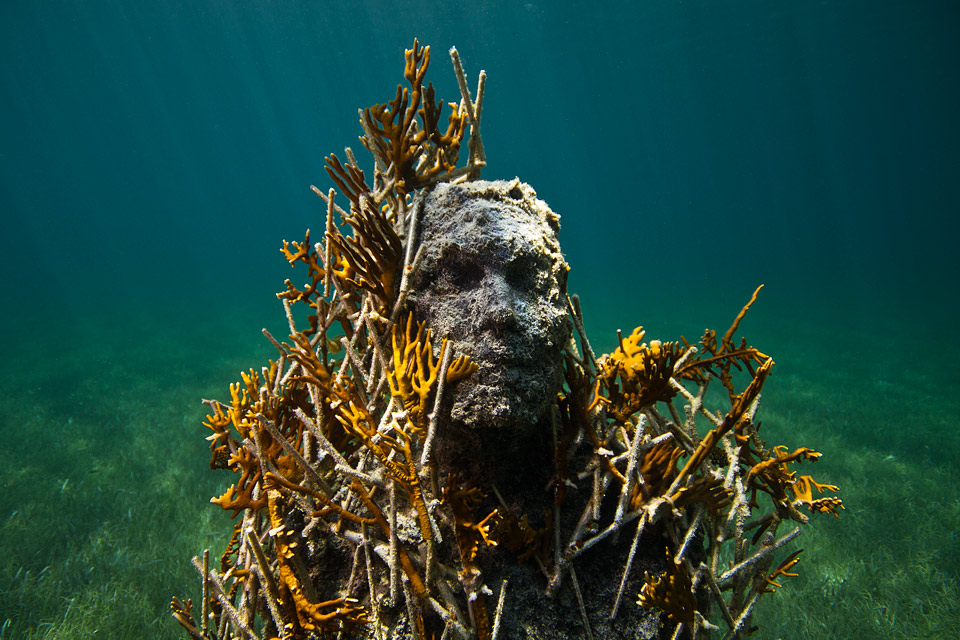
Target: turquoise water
154, 155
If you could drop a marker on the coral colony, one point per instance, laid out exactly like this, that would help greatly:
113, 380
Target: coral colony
394, 476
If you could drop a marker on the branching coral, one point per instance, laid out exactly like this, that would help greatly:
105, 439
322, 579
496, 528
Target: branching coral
414, 375
413, 153
661, 473
333, 438
301, 614
331, 444
370, 258
724, 357
636, 375
672, 593
463, 501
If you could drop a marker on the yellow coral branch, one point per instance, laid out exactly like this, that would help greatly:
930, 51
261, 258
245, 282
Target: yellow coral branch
803, 490
671, 592
635, 375
782, 570
415, 370
335, 615
414, 156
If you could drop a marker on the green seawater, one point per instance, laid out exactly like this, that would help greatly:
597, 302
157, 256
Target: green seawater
154, 155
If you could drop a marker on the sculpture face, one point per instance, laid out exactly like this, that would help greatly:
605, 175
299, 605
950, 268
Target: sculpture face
493, 281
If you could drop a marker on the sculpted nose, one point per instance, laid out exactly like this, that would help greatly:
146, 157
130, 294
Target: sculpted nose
497, 304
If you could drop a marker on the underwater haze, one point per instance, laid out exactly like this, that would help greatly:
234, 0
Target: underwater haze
154, 155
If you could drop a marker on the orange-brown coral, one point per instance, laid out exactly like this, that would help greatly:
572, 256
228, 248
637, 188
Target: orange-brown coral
636, 375
784, 569
672, 593
302, 615
370, 258
725, 356
412, 153
414, 375
802, 489
463, 500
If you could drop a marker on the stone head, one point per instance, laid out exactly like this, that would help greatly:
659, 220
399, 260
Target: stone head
493, 281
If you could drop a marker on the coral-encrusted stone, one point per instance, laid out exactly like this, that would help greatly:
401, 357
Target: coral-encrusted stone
493, 281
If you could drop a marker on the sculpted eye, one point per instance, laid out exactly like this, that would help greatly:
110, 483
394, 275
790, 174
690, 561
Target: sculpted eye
466, 275
521, 273
458, 270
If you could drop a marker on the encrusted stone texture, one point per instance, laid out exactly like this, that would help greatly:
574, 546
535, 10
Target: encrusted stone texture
493, 281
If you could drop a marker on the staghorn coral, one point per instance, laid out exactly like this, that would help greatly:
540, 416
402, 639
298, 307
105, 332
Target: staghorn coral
414, 154
361, 510
639, 441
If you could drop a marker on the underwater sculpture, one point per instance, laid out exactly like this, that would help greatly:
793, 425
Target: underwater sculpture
439, 453
493, 280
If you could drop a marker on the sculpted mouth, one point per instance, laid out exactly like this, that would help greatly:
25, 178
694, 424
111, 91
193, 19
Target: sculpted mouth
497, 365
